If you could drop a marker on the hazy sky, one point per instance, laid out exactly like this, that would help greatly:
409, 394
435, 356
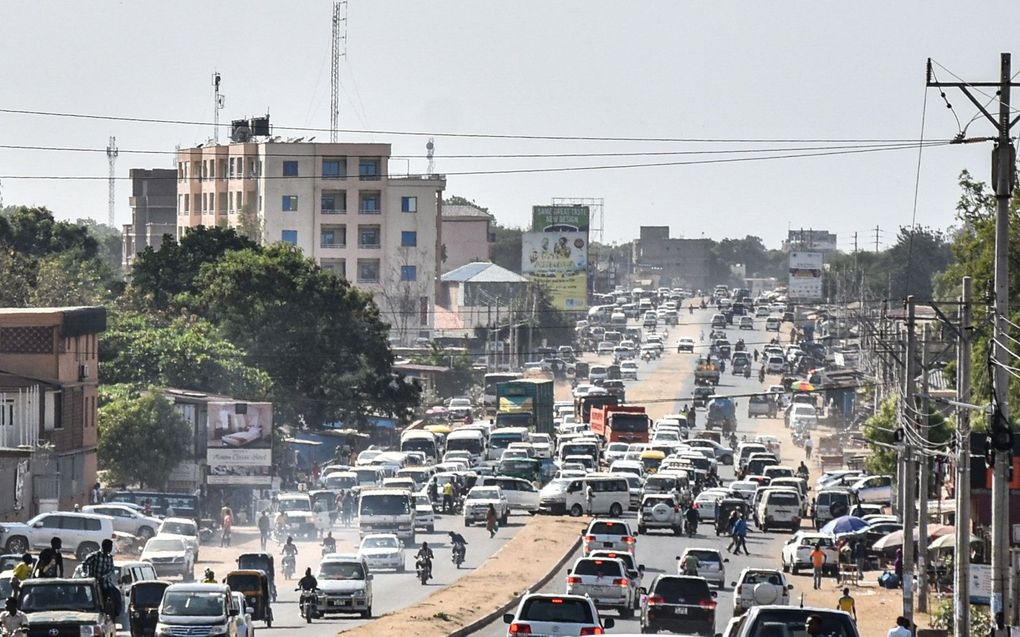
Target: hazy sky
690, 69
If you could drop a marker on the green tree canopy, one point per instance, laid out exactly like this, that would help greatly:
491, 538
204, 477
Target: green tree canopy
34, 232
142, 439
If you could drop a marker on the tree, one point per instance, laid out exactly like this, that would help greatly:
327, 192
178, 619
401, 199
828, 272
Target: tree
109, 241
187, 353
880, 428
505, 250
403, 295
456, 382
34, 232
551, 325
320, 339
67, 279
142, 439
159, 278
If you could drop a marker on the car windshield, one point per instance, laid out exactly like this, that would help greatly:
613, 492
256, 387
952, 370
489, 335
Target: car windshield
193, 603
341, 570
681, 590
179, 528
598, 567
818, 539
791, 621
483, 494
556, 609
62, 596
783, 499
384, 505
705, 555
380, 543
608, 528
295, 504
164, 544
147, 595
762, 577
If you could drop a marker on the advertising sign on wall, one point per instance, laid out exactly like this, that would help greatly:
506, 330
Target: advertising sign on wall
805, 281
559, 261
239, 449
555, 218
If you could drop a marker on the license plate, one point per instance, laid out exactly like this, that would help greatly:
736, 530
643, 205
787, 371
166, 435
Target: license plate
608, 545
679, 610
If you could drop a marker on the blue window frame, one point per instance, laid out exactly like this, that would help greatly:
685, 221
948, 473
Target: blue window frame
408, 204
289, 203
334, 168
408, 239
290, 169
408, 273
289, 236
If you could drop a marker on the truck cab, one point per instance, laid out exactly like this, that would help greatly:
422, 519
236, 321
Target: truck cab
384, 510
58, 606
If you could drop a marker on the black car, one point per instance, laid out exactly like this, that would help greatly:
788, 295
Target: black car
615, 388
679, 604
702, 394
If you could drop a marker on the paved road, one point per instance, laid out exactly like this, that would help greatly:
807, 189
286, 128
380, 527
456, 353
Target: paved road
658, 552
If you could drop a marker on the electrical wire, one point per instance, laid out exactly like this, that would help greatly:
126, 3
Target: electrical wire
600, 138
519, 171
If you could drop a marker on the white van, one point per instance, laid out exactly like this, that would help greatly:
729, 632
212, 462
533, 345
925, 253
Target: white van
420, 440
470, 440
611, 495
500, 439
779, 507
772, 323
521, 494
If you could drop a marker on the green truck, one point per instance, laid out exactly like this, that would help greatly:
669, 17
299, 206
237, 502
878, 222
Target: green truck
527, 402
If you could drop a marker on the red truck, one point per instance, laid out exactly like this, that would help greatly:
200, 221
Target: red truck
620, 423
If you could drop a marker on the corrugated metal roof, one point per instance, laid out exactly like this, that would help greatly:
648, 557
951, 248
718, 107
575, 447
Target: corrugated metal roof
464, 210
482, 272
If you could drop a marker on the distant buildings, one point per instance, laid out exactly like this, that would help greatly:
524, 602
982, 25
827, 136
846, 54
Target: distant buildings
48, 401
153, 211
467, 233
810, 241
337, 203
474, 295
661, 261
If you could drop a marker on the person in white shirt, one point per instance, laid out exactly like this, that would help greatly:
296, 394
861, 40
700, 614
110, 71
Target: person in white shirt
902, 628
12, 619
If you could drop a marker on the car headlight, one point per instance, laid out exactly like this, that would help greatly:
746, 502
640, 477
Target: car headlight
162, 630
217, 630
90, 630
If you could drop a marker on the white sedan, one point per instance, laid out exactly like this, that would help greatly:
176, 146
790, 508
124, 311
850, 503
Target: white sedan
706, 501
796, 553
382, 551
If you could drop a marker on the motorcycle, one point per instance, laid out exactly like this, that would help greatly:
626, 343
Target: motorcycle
424, 568
289, 563
309, 604
459, 550
747, 372
690, 527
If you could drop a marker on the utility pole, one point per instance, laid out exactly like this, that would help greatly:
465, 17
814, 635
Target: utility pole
908, 467
1003, 161
961, 587
925, 476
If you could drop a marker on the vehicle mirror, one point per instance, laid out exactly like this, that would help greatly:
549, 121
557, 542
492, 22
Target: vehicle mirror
733, 584
569, 569
789, 587
641, 568
37, 525
370, 577
726, 559
715, 593
508, 618
608, 622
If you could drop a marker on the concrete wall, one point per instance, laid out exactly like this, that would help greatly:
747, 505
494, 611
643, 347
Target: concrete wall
466, 240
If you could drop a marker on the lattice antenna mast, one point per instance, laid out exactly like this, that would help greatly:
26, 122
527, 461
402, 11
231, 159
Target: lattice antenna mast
430, 148
218, 102
339, 52
111, 156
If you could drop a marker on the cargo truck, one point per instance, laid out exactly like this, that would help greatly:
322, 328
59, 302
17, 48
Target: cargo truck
527, 402
620, 423
722, 415
584, 404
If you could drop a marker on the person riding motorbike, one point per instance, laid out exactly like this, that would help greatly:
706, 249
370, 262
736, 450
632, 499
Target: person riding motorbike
328, 543
209, 577
459, 544
289, 557
308, 585
308, 582
691, 517
802, 471
423, 558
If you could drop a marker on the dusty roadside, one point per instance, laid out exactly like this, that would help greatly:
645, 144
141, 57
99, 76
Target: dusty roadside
523, 561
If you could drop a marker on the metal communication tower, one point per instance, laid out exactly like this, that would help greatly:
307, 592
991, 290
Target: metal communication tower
339, 52
218, 102
111, 155
430, 149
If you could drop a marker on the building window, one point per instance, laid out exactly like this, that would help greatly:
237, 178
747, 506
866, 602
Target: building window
333, 237
187, 203
223, 201
334, 167
289, 203
334, 202
408, 273
368, 236
368, 203
368, 270
237, 196
408, 204
368, 169
289, 236
290, 169
336, 266
408, 239
233, 162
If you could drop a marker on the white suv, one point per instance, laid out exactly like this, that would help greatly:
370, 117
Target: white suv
566, 615
611, 535
758, 587
606, 582
80, 533
126, 519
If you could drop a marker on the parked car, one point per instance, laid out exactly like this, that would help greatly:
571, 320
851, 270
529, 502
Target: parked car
519, 493
126, 519
796, 553
873, 489
81, 533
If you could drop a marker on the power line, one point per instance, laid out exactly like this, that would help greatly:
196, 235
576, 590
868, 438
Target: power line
601, 138
562, 169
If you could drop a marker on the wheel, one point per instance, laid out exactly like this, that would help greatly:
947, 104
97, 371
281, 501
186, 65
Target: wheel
145, 533
786, 567
503, 520
431, 528
626, 613
367, 613
575, 511
269, 622
615, 510
17, 544
794, 569
727, 460
84, 549
467, 522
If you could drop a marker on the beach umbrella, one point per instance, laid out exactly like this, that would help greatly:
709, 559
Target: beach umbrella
845, 525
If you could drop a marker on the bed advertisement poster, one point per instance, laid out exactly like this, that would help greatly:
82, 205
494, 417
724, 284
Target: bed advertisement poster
239, 448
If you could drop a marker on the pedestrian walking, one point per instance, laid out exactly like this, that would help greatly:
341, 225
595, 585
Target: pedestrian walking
264, 529
448, 497
730, 524
898, 566
740, 535
902, 628
817, 564
490, 521
228, 523
846, 604
808, 445
589, 499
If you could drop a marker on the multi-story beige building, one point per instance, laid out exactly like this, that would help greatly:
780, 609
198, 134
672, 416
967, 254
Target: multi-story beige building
337, 203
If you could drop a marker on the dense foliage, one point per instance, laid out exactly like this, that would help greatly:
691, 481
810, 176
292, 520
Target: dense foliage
142, 438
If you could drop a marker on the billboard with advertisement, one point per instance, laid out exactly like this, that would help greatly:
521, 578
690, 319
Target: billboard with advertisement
805, 280
559, 261
566, 218
239, 449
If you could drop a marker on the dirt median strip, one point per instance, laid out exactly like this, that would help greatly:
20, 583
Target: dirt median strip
533, 555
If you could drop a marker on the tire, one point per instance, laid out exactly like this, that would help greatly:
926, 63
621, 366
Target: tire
269, 623
726, 461
503, 520
84, 549
615, 510
575, 512
367, 613
794, 569
17, 544
626, 612
641, 530
786, 567
431, 528
467, 522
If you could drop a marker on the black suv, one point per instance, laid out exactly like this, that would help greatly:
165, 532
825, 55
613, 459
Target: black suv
679, 604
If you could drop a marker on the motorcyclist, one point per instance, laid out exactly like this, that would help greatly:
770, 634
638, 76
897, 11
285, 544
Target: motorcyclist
802, 470
209, 577
308, 582
290, 549
424, 558
458, 542
329, 543
692, 517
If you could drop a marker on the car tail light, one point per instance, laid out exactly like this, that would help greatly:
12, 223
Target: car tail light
707, 603
655, 600
519, 629
592, 630
589, 538
629, 539
573, 579
621, 581
740, 590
